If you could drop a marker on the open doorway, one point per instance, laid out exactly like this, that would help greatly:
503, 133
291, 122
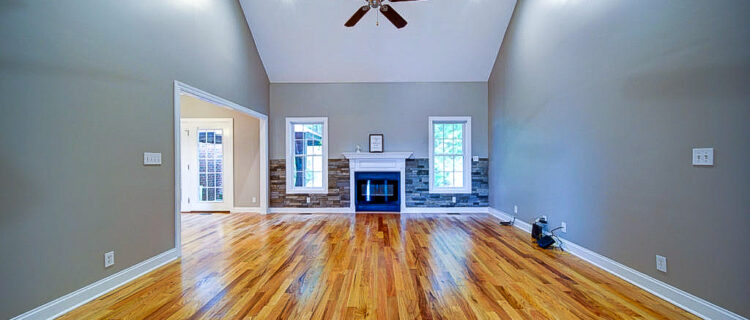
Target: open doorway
221, 156
207, 160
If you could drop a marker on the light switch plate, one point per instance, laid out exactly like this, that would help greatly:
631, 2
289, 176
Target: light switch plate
703, 156
475, 158
151, 159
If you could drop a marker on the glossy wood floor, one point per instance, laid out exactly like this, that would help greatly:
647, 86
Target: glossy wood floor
371, 266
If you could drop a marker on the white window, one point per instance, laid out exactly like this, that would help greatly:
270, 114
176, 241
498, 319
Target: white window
450, 154
307, 155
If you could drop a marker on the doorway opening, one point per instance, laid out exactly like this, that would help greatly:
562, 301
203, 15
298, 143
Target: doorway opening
221, 156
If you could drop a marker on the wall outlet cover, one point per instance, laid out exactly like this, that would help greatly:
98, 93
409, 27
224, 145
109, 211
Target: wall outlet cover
703, 156
515, 209
109, 259
661, 263
564, 226
475, 158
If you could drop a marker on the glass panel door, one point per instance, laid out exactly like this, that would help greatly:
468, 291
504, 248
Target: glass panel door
210, 165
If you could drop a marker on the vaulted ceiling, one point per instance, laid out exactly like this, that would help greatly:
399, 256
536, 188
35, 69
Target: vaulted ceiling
445, 40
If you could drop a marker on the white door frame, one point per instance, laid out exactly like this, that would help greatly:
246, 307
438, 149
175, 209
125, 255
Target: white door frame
180, 89
228, 202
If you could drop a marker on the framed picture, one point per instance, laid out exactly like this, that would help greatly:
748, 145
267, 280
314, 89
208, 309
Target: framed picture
376, 143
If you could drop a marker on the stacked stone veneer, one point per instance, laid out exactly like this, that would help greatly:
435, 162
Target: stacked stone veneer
418, 186
338, 187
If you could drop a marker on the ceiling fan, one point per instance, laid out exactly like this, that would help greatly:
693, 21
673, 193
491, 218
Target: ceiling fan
385, 9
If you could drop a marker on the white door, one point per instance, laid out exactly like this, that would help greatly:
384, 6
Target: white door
207, 164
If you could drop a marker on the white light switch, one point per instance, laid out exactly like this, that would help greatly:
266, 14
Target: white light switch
703, 156
151, 159
661, 263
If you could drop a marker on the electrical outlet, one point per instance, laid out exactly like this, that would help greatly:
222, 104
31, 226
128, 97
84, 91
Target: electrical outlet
453, 199
703, 156
254, 199
515, 209
475, 158
308, 199
564, 227
661, 263
109, 259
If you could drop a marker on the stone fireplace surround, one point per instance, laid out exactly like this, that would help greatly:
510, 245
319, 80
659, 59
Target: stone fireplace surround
418, 199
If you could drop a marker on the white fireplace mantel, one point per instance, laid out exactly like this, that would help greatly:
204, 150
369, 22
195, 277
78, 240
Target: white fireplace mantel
382, 155
378, 162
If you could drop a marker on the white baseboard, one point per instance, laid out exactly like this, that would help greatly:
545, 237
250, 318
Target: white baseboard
407, 210
682, 299
70, 301
247, 209
310, 210
445, 210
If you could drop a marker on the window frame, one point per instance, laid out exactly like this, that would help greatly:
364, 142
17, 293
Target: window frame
290, 187
467, 161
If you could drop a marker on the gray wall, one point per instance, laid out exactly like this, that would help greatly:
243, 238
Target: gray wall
594, 109
246, 146
86, 88
398, 110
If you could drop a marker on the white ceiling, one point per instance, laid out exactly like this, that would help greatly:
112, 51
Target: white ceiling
445, 40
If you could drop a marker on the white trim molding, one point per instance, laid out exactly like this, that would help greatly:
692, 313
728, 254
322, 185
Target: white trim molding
463, 210
467, 159
70, 301
671, 294
290, 188
247, 210
343, 210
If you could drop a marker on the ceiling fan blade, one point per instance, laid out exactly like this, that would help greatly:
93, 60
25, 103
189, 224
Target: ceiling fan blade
393, 16
357, 16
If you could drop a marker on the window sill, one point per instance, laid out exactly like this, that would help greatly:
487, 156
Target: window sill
451, 191
306, 191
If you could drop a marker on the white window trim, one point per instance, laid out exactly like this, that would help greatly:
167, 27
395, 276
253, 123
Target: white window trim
467, 155
290, 188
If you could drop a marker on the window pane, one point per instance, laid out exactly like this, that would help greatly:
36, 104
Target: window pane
210, 167
449, 175
458, 164
439, 163
204, 194
211, 194
317, 163
219, 177
218, 165
439, 130
218, 138
459, 131
219, 194
299, 179
448, 163
458, 146
299, 147
317, 179
299, 163
202, 180
309, 179
308, 164
211, 179
299, 128
458, 179
210, 137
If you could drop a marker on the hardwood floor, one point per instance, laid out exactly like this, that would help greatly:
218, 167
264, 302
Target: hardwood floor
371, 266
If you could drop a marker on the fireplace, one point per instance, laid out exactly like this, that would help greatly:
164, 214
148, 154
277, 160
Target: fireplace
378, 191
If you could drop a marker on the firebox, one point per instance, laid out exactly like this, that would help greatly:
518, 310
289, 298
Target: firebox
378, 191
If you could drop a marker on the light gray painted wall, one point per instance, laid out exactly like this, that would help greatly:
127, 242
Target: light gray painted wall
86, 88
594, 109
397, 110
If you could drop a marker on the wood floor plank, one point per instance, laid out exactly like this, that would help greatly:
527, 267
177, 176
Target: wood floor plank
371, 266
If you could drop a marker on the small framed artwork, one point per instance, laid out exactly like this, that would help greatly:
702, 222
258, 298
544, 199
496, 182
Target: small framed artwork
376, 143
